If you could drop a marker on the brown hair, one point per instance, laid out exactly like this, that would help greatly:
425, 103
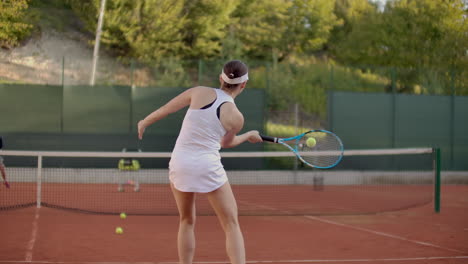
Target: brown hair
234, 69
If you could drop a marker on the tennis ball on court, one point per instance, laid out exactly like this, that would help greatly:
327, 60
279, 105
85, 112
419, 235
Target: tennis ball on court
311, 142
119, 230
123, 215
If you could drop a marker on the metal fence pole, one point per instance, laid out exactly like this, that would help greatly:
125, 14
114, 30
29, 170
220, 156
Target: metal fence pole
393, 107
63, 94
200, 71
452, 119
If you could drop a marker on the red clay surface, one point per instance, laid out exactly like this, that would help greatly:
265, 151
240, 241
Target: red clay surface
416, 235
154, 199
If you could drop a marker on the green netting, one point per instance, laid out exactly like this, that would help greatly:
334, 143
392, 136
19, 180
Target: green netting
368, 120
96, 109
26, 108
362, 120
99, 118
460, 133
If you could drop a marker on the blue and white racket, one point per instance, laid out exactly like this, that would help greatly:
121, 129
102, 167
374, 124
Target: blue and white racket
320, 149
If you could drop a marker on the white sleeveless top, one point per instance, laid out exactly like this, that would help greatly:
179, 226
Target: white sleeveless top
195, 164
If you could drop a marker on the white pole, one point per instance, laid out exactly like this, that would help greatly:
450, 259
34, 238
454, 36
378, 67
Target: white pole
98, 39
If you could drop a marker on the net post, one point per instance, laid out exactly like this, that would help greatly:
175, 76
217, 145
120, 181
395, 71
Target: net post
39, 181
437, 180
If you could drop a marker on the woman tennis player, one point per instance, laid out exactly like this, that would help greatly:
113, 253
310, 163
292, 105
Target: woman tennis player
211, 122
2, 167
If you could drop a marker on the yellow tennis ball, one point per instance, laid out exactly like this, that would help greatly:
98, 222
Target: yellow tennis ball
123, 215
311, 142
119, 230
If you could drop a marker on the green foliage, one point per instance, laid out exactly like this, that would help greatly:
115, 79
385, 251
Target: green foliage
349, 13
423, 33
415, 46
14, 25
408, 34
171, 73
207, 21
309, 26
87, 11
145, 30
279, 130
135, 21
153, 29
259, 26
307, 84
51, 14
278, 28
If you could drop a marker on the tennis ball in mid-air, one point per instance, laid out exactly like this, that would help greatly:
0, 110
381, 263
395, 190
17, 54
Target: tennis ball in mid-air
123, 215
119, 230
311, 142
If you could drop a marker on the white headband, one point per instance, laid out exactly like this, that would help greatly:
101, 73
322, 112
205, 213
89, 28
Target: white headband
237, 80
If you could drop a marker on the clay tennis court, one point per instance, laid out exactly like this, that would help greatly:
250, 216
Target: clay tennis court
415, 235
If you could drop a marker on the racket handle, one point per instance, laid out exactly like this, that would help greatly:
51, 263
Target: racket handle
7, 185
270, 139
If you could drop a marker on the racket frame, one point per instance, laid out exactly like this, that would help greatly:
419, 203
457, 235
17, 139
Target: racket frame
296, 145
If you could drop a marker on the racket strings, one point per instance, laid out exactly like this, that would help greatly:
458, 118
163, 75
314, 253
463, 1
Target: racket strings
326, 152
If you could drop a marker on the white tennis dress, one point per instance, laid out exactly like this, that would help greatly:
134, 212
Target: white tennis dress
195, 164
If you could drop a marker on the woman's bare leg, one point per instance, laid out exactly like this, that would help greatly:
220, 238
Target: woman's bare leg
223, 202
186, 235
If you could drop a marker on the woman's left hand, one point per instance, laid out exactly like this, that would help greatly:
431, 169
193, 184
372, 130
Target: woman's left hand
141, 129
254, 136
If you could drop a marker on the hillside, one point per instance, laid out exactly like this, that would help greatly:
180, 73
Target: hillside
57, 40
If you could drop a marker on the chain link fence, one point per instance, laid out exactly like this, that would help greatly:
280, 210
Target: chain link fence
296, 94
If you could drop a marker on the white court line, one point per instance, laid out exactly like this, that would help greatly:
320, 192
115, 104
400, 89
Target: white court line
329, 260
257, 261
71, 262
383, 234
34, 234
32, 241
376, 232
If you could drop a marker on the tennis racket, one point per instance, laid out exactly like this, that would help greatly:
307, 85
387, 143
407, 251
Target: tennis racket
320, 149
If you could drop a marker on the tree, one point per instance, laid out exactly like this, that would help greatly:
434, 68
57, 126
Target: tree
409, 33
280, 28
150, 28
359, 23
309, 26
206, 27
349, 13
144, 29
13, 27
259, 26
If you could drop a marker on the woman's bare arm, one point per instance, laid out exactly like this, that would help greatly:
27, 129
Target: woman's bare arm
233, 121
180, 101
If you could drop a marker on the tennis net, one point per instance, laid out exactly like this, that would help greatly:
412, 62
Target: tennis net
264, 183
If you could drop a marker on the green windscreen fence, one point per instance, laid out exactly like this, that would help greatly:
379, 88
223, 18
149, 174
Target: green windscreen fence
99, 118
89, 109
35, 108
376, 120
460, 132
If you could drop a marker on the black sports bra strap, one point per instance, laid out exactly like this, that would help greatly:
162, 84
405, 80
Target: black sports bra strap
219, 109
209, 105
